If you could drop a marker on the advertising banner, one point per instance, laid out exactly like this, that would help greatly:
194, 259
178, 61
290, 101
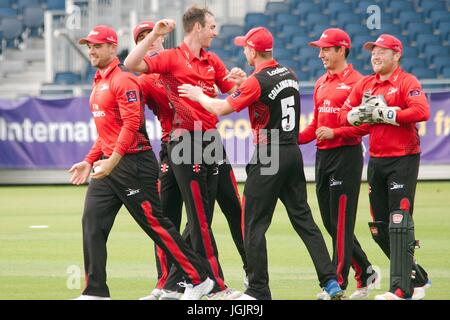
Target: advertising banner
54, 134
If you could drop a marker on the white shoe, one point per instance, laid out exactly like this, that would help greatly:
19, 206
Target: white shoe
388, 296
197, 292
170, 295
419, 292
323, 296
360, 293
375, 284
245, 296
227, 294
86, 297
154, 295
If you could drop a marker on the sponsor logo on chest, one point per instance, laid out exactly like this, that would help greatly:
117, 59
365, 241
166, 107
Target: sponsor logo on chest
97, 112
327, 108
343, 86
104, 87
392, 90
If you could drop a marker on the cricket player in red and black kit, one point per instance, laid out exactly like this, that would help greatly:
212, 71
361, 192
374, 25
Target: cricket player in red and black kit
197, 177
125, 173
228, 198
392, 101
276, 171
339, 160
154, 94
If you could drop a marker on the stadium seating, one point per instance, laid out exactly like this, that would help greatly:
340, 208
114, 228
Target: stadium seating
293, 64
359, 40
302, 9
89, 74
22, 4
307, 52
304, 75
12, 31
288, 31
409, 51
67, 77
390, 28
218, 42
423, 26
357, 64
55, 4
423, 73
446, 73
440, 62
231, 30
398, 6
433, 50
300, 41
427, 5
273, 8
315, 63
282, 53
423, 40
286, 19
444, 28
336, 7
318, 29
33, 19
408, 63
354, 29
344, 18
438, 16
363, 5
256, 19
6, 3
410, 17
415, 28
314, 18
7, 12
223, 53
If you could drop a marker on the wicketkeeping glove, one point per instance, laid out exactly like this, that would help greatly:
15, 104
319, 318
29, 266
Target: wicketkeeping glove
386, 115
355, 117
381, 112
363, 113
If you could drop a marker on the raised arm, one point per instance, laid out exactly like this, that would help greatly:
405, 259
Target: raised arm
135, 59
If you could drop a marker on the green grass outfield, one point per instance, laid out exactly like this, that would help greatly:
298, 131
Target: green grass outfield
34, 263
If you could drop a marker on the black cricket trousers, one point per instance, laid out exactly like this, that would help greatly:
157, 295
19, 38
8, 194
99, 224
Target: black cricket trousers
227, 197
133, 182
197, 179
261, 194
392, 187
338, 182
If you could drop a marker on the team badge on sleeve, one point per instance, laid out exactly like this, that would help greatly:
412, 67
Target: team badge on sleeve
236, 94
415, 92
132, 96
